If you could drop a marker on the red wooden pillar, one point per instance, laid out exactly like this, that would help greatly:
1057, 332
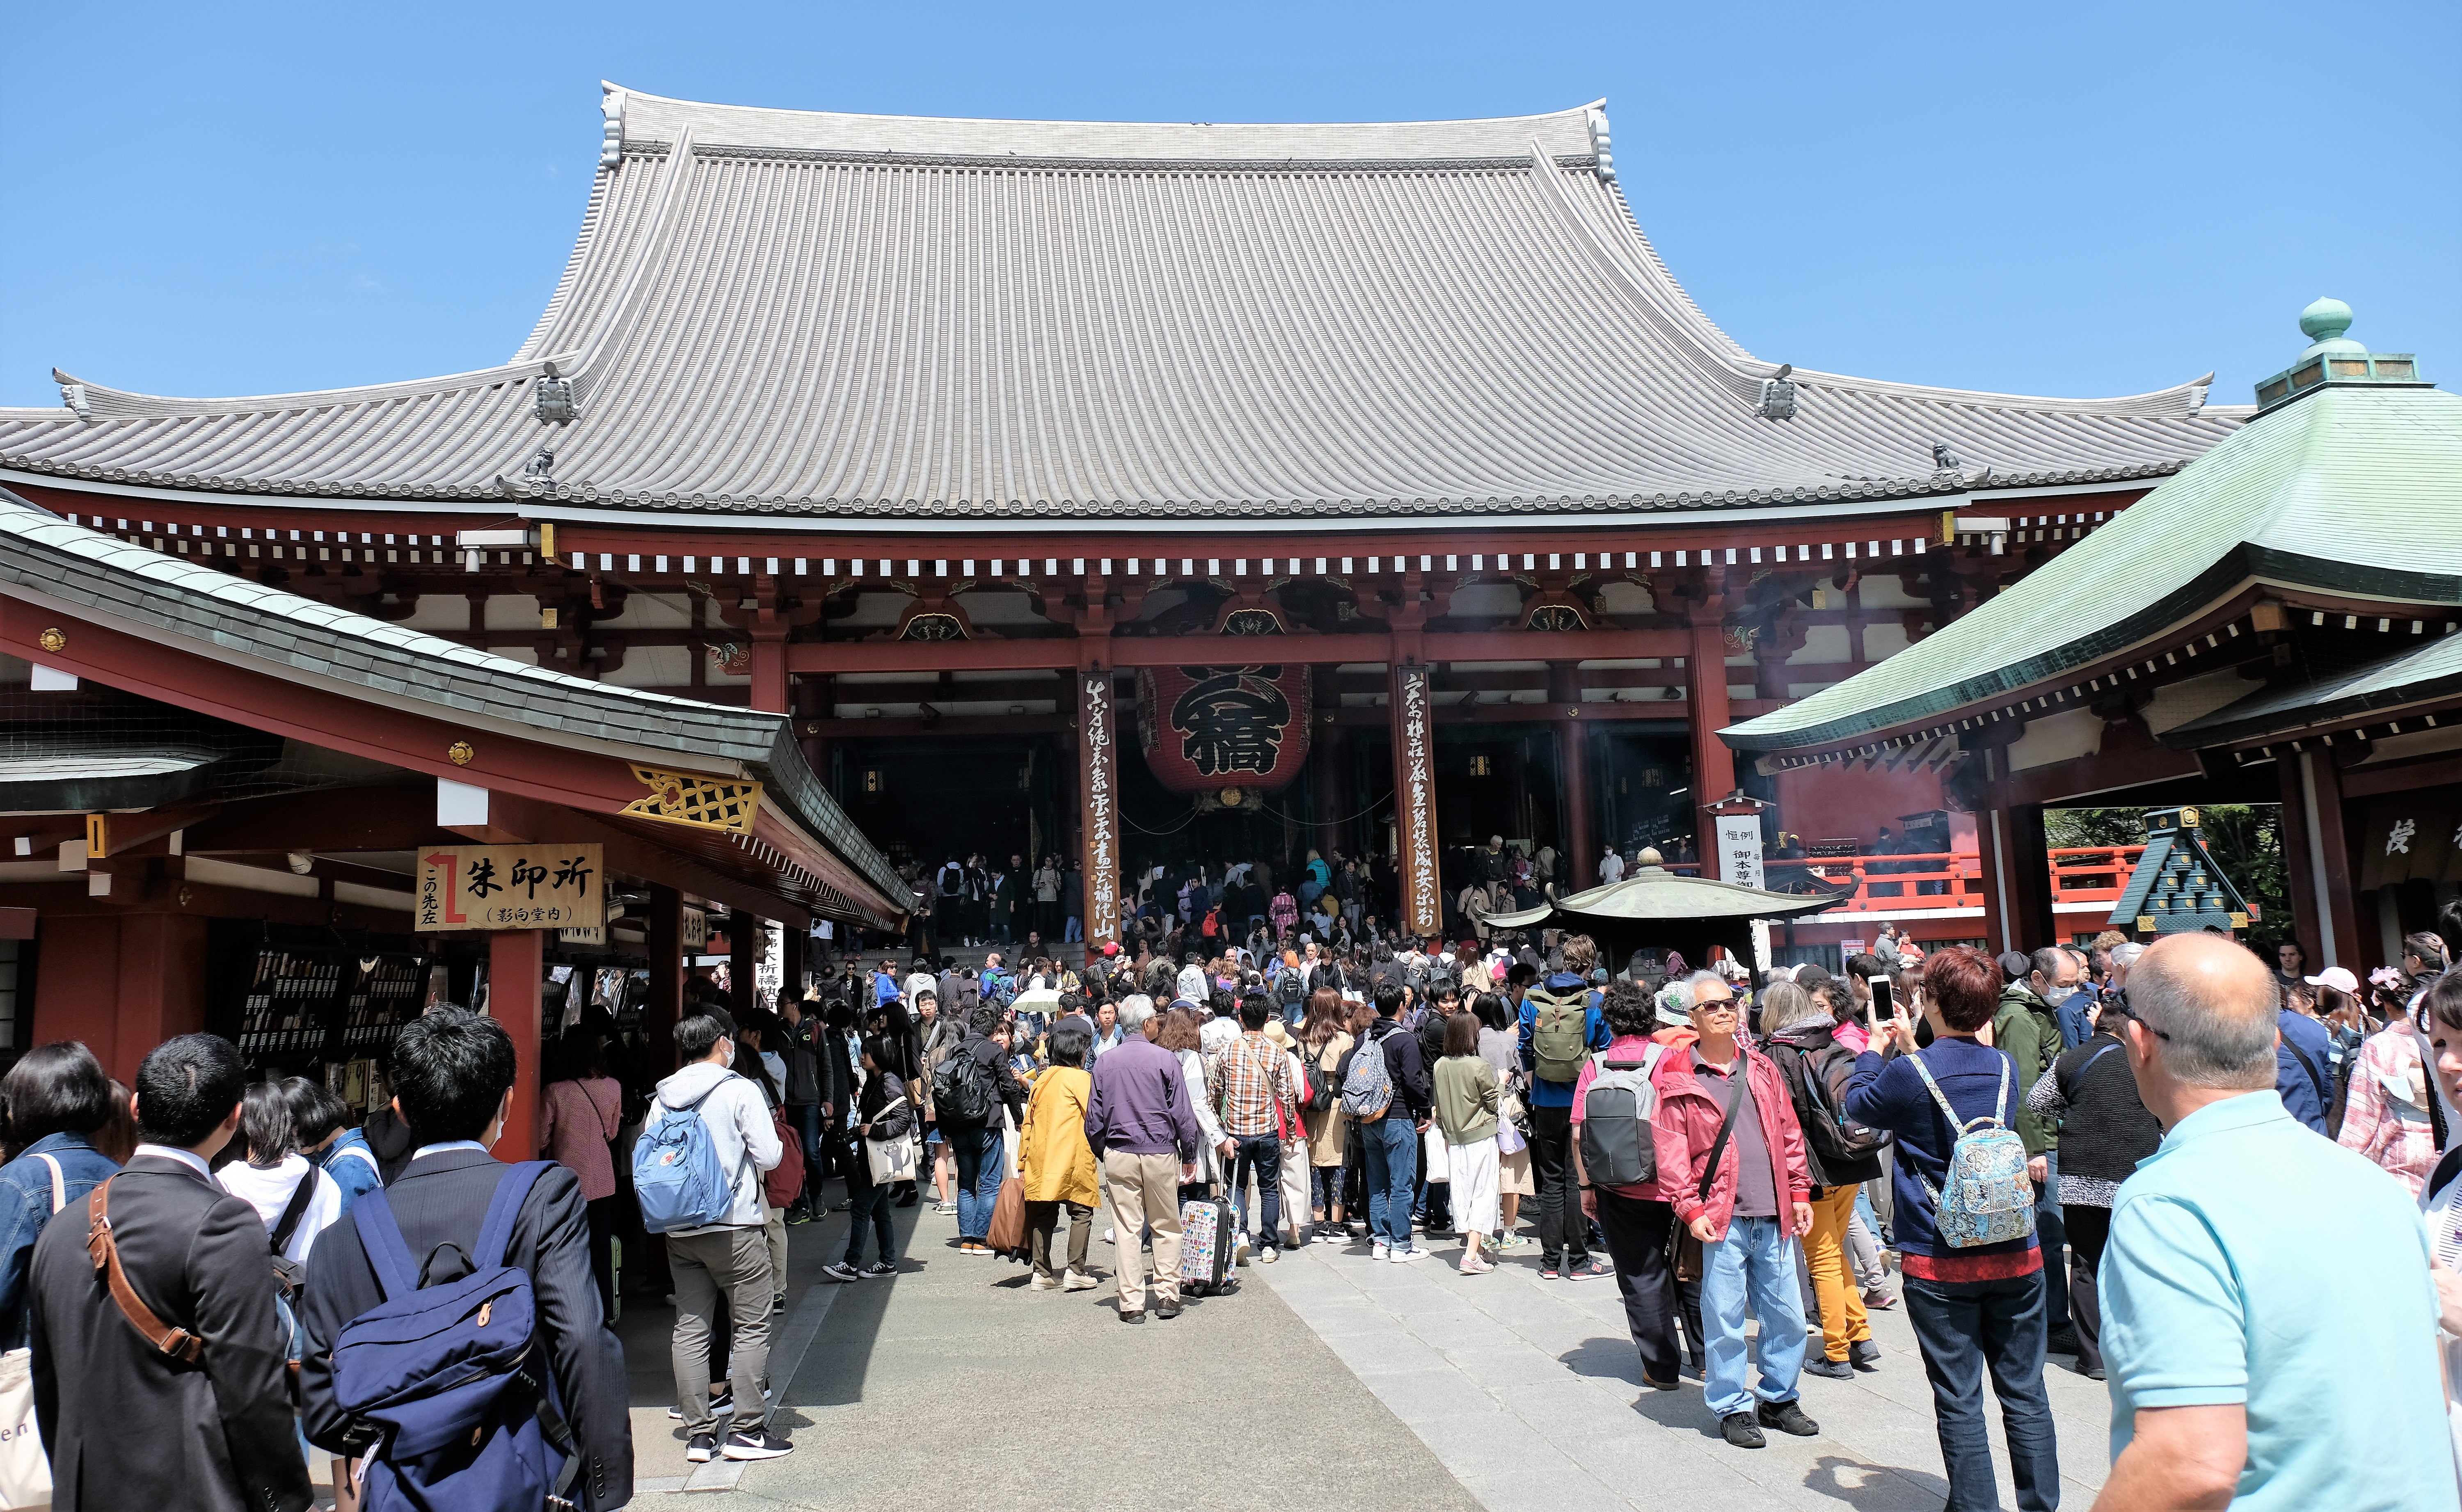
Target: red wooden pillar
666, 1000
122, 985
516, 962
1579, 841
768, 691
1705, 669
1098, 816
1414, 800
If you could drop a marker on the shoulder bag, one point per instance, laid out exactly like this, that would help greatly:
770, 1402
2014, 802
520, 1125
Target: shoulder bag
1683, 1250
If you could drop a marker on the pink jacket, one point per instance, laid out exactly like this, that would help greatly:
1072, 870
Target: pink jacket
1687, 1125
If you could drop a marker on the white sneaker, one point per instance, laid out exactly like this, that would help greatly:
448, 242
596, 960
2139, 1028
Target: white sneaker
1079, 1281
1111, 1236
1406, 1256
1268, 1255
1240, 1250
1379, 1250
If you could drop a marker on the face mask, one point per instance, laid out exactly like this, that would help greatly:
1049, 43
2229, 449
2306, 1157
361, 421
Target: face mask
729, 1062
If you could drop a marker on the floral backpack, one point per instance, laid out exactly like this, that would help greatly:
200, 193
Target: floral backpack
1989, 1199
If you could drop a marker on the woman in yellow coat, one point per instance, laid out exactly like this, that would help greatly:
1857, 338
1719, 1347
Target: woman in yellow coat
1057, 1164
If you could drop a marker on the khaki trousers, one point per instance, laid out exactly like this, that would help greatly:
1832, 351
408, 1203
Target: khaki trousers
1145, 1192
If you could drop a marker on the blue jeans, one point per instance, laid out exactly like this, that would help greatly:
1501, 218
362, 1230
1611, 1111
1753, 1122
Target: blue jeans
1075, 931
1963, 1326
807, 1119
1261, 1154
2052, 1236
1754, 1266
1391, 1144
979, 1178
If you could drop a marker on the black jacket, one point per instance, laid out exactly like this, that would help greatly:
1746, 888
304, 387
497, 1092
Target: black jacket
1801, 1053
1412, 1093
2106, 1128
441, 1200
129, 1428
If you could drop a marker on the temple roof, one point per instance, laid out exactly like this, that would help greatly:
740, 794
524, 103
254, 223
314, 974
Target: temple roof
2350, 492
229, 617
809, 313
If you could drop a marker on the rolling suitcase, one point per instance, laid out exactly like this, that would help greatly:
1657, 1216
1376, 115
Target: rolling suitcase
1207, 1229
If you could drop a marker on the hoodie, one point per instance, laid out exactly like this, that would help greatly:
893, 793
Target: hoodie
740, 1131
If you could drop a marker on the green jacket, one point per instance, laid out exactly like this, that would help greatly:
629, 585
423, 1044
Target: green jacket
2026, 1026
1466, 1098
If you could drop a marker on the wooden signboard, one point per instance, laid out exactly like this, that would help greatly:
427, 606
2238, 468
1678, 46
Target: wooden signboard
512, 887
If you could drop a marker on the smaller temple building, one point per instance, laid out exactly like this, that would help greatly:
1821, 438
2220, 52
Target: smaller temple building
2278, 622
234, 808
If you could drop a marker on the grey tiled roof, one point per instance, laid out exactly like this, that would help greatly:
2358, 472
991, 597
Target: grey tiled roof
177, 599
2329, 696
825, 316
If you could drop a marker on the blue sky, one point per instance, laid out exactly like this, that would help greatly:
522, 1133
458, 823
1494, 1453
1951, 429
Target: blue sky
2083, 199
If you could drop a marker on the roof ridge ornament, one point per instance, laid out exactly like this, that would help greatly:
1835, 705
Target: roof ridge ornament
1778, 394
74, 395
610, 131
1595, 117
551, 398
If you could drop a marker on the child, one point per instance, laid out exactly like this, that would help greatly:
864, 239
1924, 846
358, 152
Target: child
882, 1116
1467, 1099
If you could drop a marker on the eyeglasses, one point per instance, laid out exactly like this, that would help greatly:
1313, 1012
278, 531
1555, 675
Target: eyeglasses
2118, 1006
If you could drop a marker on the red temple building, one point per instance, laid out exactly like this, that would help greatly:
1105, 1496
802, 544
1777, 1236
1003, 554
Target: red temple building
1148, 491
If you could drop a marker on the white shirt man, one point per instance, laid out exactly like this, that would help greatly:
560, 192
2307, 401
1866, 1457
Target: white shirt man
1610, 867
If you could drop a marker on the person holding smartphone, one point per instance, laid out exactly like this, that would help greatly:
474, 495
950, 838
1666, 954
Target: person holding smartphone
1981, 1306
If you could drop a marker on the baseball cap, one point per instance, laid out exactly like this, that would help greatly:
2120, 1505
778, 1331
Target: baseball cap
2338, 977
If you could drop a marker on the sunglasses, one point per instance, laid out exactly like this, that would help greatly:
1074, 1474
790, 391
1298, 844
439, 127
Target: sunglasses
2118, 1007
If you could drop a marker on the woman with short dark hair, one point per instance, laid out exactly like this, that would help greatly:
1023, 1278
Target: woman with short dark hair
274, 1172
58, 1102
1974, 1306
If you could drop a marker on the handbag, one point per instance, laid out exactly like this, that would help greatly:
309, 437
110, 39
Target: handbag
1510, 1136
1683, 1250
1440, 1165
891, 1160
25, 1469
1007, 1233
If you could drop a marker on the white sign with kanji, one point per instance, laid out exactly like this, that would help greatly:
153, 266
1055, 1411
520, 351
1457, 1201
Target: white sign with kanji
1739, 849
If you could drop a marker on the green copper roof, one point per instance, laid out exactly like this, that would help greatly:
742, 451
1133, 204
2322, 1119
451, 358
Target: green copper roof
2330, 696
2353, 492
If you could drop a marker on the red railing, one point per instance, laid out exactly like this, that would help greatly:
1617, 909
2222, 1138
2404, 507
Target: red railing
1948, 879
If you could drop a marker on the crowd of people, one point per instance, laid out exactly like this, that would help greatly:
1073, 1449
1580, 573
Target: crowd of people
2051, 1151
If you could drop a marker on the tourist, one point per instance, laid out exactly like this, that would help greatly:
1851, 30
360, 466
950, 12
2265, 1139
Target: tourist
2105, 1132
1501, 1047
1467, 1100
1107, 1030
1141, 1125
797, 1040
125, 1424
2302, 1075
1181, 1031
1839, 1157
2027, 1027
1560, 1026
2391, 1116
2268, 1346
1636, 1221
1056, 1165
578, 1114
1326, 1041
976, 1144
1432, 1194
1610, 867
319, 1113
728, 1258
1390, 1141
56, 1101
884, 1115
293, 1199
1981, 1306
1731, 1165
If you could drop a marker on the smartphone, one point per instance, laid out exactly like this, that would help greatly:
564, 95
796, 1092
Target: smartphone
1884, 1004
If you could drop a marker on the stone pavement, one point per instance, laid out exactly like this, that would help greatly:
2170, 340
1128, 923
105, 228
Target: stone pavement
1324, 1374
1530, 1392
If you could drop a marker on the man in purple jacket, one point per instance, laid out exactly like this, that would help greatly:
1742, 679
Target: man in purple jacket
1140, 1122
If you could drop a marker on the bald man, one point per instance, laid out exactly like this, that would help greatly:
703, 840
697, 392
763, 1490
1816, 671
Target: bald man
2270, 1328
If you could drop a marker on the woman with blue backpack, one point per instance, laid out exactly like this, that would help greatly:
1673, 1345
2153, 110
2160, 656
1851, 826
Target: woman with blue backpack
1974, 1276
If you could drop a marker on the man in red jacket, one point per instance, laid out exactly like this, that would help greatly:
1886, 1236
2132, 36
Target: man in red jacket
1731, 1162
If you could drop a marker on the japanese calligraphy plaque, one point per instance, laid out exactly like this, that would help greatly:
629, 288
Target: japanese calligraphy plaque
512, 887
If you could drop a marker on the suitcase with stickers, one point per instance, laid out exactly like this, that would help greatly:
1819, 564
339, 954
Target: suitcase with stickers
1207, 1229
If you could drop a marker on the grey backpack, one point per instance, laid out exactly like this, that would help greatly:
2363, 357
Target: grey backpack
1617, 1108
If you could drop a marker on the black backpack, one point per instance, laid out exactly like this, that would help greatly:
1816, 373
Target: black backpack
961, 1090
1822, 1075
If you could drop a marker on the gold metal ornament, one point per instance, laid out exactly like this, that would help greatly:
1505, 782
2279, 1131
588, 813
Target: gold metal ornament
52, 640
460, 753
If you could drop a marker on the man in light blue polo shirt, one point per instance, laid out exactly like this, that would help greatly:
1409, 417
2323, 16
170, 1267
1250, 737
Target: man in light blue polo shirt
2269, 1325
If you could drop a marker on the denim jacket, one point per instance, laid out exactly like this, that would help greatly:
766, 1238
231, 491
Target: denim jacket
26, 1207
352, 1174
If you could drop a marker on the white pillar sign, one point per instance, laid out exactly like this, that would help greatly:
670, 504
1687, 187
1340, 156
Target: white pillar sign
1739, 849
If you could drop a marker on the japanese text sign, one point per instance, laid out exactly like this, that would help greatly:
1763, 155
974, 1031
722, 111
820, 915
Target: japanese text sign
512, 887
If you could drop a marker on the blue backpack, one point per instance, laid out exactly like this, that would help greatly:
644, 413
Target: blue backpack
447, 1382
676, 1172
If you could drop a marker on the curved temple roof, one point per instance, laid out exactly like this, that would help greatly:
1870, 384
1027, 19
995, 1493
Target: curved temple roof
821, 314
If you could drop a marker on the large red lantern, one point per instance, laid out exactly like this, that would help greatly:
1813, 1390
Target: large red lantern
1217, 729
